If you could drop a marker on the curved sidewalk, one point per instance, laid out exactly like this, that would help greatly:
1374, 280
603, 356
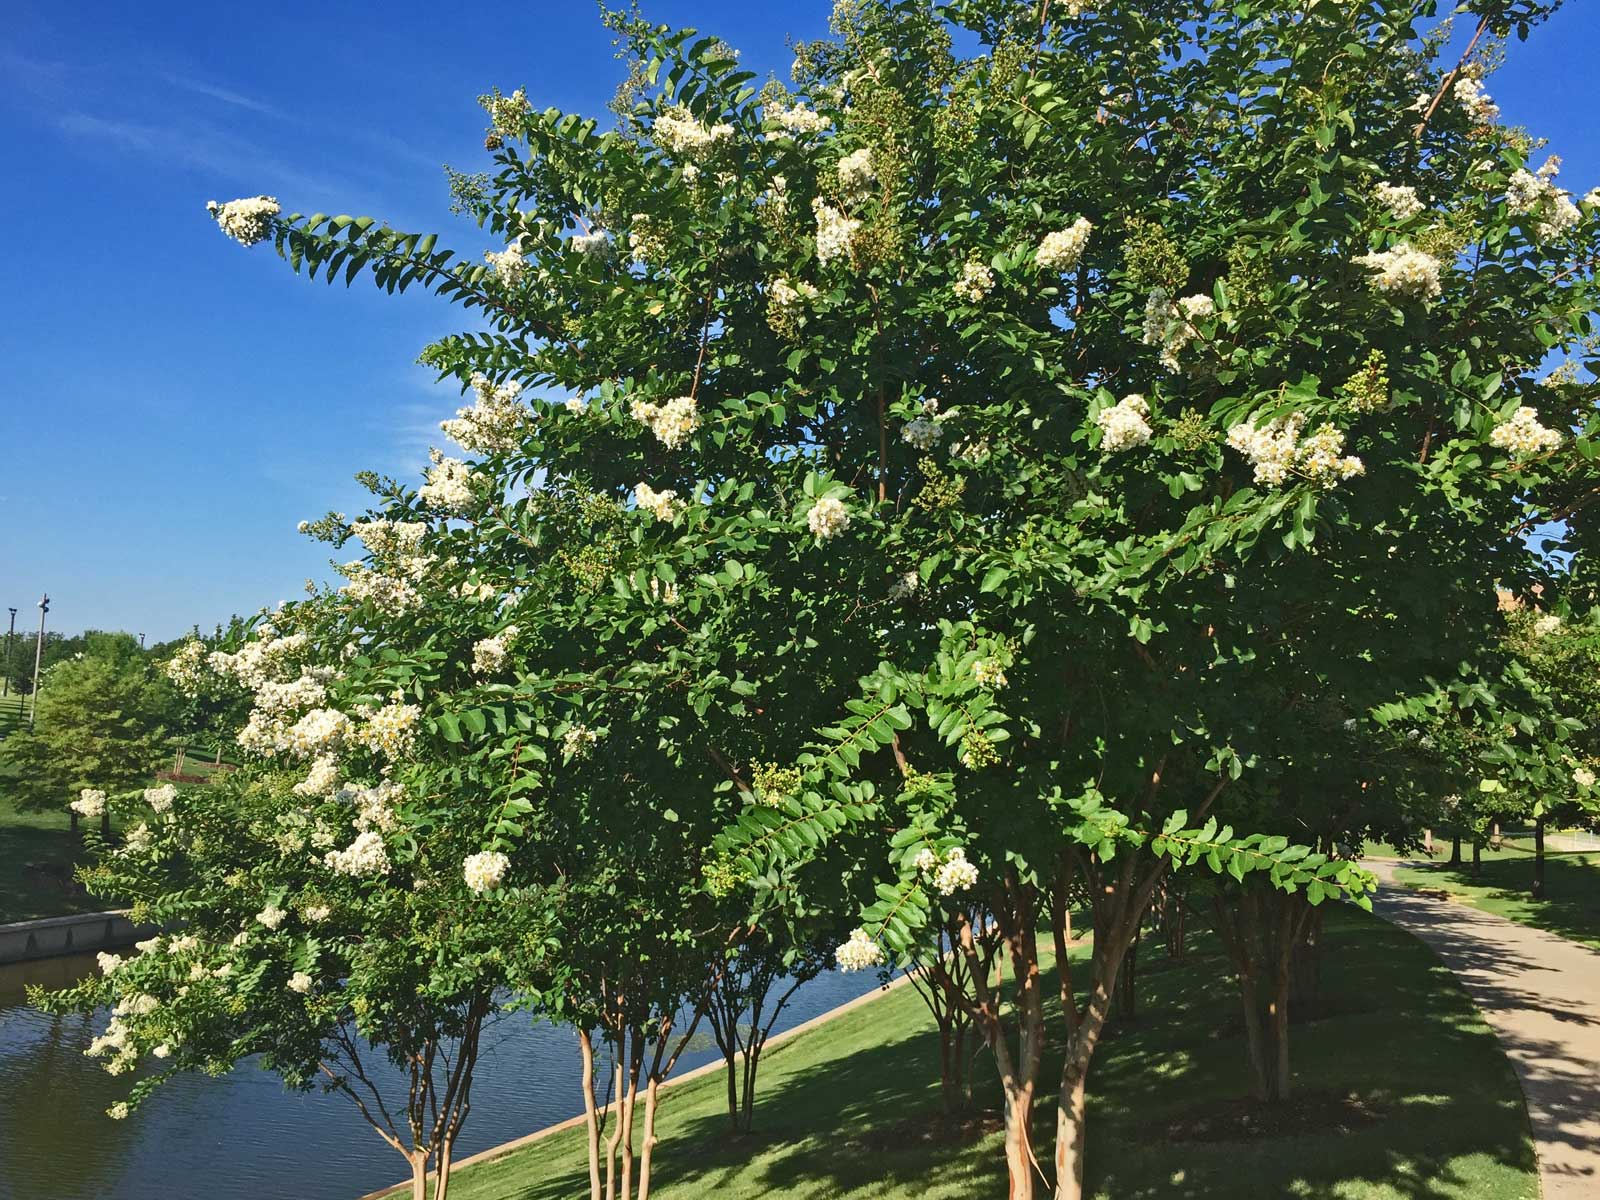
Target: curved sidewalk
1541, 995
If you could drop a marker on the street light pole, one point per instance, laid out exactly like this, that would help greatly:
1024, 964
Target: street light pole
38, 656
5, 683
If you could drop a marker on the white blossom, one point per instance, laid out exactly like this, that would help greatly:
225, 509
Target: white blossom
509, 265
321, 730
1535, 195
857, 175
367, 855
299, 982
392, 729
976, 282
107, 962
1172, 325
91, 803
905, 586
1403, 271
1583, 777
451, 486
859, 953
160, 798
955, 874
484, 872
1277, 451
118, 1111
677, 131
922, 433
1401, 201
828, 517
578, 741
596, 243
494, 424
1124, 424
271, 916
1061, 249
672, 422
834, 231
246, 221
1521, 433
1475, 101
1547, 624
663, 506
491, 654
989, 674
322, 779
797, 119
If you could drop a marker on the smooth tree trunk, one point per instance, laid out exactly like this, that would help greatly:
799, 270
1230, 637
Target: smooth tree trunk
419, 1175
1455, 847
591, 1117
1537, 891
1477, 858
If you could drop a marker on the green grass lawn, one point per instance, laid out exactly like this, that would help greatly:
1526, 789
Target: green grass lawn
1571, 903
1404, 1094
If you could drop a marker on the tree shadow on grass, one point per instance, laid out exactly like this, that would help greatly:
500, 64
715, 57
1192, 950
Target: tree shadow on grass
1570, 907
1401, 1039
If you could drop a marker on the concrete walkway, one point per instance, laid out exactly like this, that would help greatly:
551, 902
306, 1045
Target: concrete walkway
1541, 995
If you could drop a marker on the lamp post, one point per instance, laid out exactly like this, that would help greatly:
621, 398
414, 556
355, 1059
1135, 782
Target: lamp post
38, 656
5, 683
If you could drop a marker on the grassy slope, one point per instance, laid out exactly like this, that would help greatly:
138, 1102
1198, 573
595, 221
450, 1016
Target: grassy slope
37, 850
1571, 904
844, 1110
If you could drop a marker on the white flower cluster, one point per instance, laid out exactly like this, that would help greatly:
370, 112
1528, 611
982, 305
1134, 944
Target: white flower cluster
491, 654
905, 586
389, 594
857, 175
272, 916
976, 282
989, 674
392, 729
1521, 433
390, 539
484, 872
797, 119
1535, 195
1061, 249
1276, 450
1403, 271
860, 953
1172, 326
367, 855
495, 423
578, 741
1401, 201
276, 697
509, 265
451, 486
671, 422
91, 802
261, 659
1583, 777
834, 231
1547, 624
922, 433
677, 131
1475, 101
787, 301
160, 798
951, 874
596, 243
299, 982
246, 221
316, 914
375, 806
1124, 424
666, 593
828, 518
138, 839
320, 731
188, 669
663, 506
322, 779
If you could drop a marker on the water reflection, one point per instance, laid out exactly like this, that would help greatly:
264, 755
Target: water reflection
244, 1135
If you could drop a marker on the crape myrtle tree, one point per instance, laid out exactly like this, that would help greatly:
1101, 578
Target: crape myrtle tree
942, 432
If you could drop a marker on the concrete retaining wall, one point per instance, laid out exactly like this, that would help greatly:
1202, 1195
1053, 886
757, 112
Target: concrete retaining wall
51, 936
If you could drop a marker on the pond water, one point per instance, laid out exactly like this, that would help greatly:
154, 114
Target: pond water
244, 1135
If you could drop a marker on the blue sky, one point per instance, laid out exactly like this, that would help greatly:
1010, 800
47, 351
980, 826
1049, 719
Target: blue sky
172, 405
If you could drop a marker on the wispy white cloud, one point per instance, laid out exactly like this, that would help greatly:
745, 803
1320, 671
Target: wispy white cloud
225, 95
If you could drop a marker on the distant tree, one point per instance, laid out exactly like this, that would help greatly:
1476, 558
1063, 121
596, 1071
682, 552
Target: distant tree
102, 720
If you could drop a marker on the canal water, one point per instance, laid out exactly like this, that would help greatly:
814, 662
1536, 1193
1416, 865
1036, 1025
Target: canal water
244, 1135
